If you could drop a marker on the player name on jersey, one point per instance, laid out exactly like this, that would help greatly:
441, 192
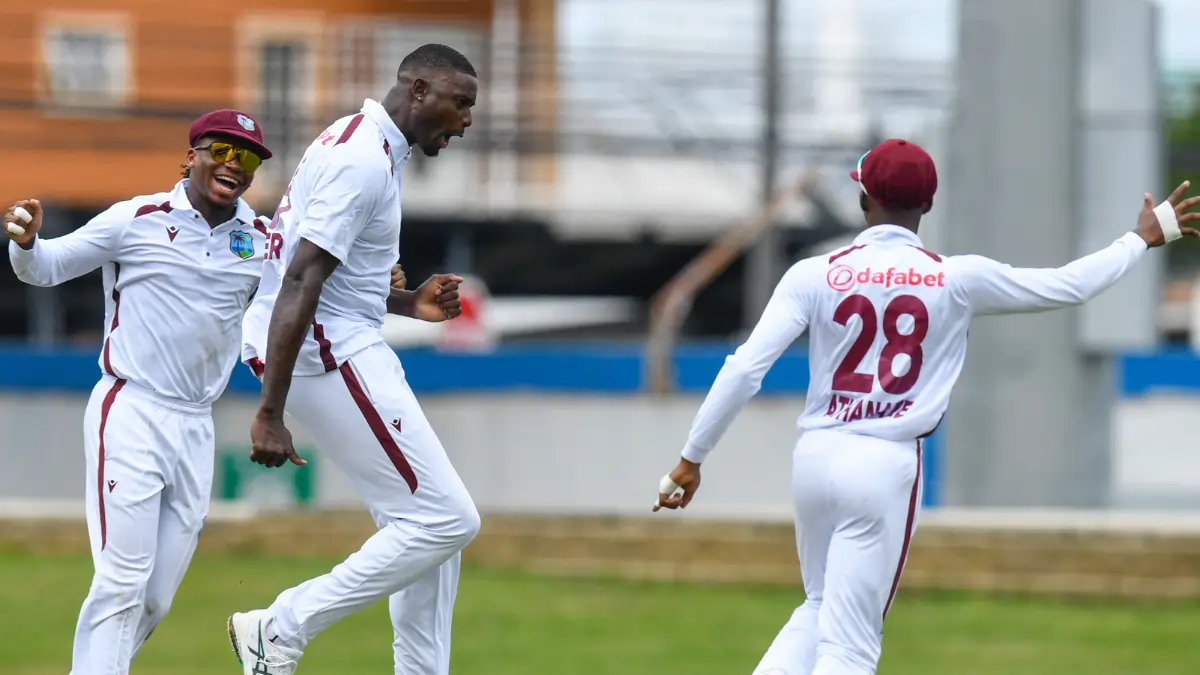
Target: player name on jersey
849, 409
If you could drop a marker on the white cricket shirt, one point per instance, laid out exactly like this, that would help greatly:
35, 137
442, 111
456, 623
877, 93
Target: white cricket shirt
175, 289
345, 198
887, 323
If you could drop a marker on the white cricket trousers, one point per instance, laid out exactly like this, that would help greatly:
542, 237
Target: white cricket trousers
149, 481
857, 500
364, 417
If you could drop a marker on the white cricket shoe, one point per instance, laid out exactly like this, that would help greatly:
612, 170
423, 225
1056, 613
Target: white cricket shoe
257, 654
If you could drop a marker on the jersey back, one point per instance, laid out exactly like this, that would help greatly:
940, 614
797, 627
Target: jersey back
887, 340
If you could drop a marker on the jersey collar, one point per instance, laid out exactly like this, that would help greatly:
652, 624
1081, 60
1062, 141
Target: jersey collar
391, 133
883, 234
180, 202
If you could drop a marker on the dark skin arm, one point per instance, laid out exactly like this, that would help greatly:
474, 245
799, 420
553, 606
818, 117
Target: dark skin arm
435, 300
295, 308
401, 302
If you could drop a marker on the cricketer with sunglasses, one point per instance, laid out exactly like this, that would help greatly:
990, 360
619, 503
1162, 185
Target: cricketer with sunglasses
887, 323
179, 269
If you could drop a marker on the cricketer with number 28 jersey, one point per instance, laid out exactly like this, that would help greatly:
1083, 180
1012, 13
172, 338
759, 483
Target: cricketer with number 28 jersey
887, 323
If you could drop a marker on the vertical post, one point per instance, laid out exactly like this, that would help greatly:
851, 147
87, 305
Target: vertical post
483, 123
1055, 138
763, 262
502, 97
1121, 156
460, 250
1016, 429
538, 81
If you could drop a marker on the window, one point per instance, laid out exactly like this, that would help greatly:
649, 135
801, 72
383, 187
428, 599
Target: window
86, 66
368, 52
279, 76
282, 107
357, 66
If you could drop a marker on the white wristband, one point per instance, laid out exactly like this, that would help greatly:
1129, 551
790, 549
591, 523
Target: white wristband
1165, 212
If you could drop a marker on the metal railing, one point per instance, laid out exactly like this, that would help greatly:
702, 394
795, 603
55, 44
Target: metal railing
670, 307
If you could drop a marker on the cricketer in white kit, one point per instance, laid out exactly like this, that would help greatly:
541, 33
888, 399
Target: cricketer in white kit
317, 317
887, 322
179, 270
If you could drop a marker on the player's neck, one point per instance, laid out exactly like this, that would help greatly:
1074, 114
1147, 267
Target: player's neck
395, 105
213, 215
907, 222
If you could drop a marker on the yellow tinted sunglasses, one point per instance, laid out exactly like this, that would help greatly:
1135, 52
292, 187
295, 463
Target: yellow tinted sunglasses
224, 153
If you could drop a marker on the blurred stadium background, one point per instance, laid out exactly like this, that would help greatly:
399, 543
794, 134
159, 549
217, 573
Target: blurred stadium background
639, 174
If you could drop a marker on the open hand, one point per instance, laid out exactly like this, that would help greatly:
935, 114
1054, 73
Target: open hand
1150, 229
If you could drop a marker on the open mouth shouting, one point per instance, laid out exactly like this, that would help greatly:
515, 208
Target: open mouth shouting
444, 139
226, 185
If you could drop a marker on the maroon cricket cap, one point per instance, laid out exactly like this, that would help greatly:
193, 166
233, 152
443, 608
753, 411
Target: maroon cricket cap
232, 123
898, 174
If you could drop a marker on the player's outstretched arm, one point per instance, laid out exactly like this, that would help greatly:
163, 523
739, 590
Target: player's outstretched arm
41, 262
783, 321
991, 287
295, 309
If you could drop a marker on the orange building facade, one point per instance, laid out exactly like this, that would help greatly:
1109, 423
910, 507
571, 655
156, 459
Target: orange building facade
97, 101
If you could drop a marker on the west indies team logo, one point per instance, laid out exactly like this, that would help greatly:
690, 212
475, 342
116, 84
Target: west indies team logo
241, 244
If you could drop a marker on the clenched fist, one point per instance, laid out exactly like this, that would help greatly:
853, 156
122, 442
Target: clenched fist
34, 207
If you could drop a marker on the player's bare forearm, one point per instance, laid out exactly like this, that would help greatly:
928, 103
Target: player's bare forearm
402, 303
295, 309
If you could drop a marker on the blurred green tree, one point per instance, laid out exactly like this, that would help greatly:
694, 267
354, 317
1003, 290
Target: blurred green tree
1183, 163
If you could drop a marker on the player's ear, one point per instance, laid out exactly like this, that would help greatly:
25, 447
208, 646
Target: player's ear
419, 88
862, 202
928, 207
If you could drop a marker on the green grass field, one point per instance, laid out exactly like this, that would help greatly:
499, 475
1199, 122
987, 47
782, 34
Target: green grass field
508, 624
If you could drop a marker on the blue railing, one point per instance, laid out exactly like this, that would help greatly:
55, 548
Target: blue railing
591, 368
597, 368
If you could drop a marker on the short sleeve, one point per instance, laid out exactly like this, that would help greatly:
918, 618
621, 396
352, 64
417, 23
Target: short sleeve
344, 197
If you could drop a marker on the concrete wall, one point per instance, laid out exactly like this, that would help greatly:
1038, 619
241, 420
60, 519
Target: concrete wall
566, 431
576, 454
527, 453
